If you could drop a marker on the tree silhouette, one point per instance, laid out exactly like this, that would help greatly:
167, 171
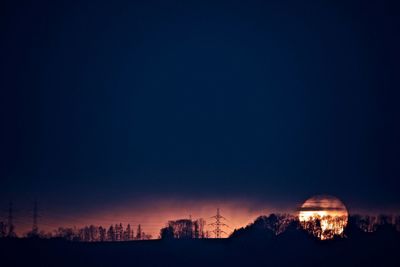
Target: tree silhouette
139, 232
183, 229
3, 230
128, 234
167, 232
102, 234
65, 233
111, 234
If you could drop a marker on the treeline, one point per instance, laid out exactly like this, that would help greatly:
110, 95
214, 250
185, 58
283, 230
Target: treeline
276, 224
94, 233
89, 233
267, 226
184, 229
368, 223
263, 226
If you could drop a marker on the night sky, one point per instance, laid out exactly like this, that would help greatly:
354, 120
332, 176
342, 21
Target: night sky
118, 104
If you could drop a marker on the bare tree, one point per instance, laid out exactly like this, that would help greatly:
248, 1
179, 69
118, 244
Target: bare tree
65, 233
3, 230
139, 232
111, 234
183, 229
128, 234
102, 234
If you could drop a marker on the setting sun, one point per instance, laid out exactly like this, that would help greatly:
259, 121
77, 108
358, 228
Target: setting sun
323, 216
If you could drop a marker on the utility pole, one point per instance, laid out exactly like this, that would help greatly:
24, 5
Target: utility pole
218, 224
35, 228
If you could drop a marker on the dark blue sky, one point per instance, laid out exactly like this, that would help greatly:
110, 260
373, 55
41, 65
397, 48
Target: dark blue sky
268, 100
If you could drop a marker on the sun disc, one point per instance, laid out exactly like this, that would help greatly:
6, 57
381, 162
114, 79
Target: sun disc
323, 216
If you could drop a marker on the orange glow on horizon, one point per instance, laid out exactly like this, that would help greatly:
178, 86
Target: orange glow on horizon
154, 215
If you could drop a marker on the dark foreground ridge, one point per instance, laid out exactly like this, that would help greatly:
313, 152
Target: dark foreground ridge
292, 248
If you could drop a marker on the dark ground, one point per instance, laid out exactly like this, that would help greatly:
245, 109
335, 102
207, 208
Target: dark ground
289, 249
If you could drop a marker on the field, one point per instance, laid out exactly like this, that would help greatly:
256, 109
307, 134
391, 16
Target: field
291, 249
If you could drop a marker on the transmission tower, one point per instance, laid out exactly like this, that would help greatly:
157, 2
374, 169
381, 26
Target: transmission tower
35, 228
218, 224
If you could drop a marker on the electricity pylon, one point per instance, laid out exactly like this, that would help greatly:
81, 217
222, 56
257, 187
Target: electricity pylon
218, 224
